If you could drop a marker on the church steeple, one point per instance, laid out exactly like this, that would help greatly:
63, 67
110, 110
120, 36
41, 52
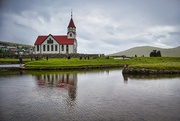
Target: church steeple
71, 23
71, 33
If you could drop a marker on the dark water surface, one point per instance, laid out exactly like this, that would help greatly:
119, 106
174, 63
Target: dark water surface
88, 96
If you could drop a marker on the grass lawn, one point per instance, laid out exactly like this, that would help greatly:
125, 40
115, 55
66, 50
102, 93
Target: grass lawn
158, 63
170, 63
73, 62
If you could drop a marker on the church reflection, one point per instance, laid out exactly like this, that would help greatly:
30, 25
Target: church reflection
125, 77
64, 81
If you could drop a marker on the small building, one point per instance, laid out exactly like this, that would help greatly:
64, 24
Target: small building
57, 44
4, 48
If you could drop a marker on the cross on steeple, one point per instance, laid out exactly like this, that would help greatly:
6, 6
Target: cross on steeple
71, 13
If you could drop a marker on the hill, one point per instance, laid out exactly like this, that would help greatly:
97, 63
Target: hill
13, 44
145, 50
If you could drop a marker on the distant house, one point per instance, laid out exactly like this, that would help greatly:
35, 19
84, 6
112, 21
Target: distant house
13, 49
4, 48
57, 44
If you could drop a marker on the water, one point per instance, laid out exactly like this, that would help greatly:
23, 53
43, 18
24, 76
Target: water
104, 95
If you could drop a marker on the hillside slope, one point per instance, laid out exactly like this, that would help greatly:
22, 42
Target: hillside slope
145, 50
13, 44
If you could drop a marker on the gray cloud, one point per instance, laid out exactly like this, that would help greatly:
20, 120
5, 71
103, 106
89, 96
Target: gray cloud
102, 26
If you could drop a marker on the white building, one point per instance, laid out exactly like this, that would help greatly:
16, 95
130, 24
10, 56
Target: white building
57, 44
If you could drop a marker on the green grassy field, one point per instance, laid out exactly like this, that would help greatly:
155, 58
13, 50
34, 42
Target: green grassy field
73, 62
169, 63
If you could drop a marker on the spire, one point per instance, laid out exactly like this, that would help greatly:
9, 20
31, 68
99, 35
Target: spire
71, 29
71, 13
71, 23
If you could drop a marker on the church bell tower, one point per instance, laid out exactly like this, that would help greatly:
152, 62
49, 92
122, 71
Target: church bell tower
71, 33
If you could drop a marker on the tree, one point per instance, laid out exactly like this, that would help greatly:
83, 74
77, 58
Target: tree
158, 54
151, 54
155, 53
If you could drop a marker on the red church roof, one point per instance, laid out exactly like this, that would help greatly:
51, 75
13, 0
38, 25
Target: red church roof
60, 39
40, 40
71, 23
64, 40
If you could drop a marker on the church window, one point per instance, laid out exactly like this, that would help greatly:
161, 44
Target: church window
44, 47
49, 41
52, 48
70, 35
62, 48
55, 47
47, 47
67, 49
37, 47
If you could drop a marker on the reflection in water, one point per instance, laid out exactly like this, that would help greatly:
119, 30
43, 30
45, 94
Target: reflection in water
104, 95
147, 77
66, 81
125, 77
20, 73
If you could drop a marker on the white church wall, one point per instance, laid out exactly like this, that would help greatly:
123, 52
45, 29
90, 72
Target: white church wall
49, 47
62, 51
54, 51
35, 49
71, 49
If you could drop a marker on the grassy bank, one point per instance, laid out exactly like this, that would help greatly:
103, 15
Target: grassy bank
71, 63
170, 63
12, 61
157, 63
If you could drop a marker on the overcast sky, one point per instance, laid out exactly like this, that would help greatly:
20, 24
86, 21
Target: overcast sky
103, 26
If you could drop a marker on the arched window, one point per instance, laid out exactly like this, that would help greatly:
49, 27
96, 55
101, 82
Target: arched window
55, 47
37, 47
44, 47
47, 47
52, 48
62, 48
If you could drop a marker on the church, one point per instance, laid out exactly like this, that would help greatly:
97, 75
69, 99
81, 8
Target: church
58, 44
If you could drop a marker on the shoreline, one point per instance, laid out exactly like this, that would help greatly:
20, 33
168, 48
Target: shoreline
125, 70
144, 71
64, 67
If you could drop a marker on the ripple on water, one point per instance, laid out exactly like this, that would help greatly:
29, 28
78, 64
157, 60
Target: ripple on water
92, 96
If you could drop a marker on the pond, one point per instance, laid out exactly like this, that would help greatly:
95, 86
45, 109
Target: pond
99, 95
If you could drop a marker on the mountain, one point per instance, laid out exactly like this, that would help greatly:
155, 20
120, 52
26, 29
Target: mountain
146, 50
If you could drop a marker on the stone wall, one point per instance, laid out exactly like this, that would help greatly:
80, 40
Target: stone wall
144, 71
50, 55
